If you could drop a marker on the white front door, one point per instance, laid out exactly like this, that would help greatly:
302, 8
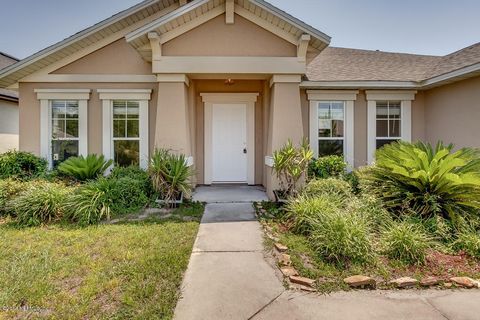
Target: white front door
229, 143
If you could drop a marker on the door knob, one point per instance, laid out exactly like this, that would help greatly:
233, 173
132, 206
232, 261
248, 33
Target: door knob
245, 150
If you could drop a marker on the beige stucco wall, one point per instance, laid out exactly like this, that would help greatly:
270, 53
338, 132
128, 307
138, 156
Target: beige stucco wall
116, 58
29, 112
215, 38
8, 125
452, 113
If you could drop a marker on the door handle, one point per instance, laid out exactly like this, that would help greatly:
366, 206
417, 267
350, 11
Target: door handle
245, 150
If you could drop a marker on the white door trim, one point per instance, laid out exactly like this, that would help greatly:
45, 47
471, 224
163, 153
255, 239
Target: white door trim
234, 98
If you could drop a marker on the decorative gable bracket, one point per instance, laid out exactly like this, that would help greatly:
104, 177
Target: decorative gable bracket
302, 47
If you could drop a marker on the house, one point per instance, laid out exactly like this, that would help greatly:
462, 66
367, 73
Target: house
227, 82
8, 111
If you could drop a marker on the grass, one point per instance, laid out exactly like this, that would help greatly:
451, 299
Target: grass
125, 271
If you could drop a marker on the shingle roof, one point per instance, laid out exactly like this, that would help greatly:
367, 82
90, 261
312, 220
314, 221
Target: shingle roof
5, 61
342, 64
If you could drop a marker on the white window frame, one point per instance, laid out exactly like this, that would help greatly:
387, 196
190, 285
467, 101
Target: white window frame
143, 96
45, 96
348, 97
405, 98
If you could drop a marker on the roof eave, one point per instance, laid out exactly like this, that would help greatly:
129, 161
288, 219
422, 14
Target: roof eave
453, 76
359, 85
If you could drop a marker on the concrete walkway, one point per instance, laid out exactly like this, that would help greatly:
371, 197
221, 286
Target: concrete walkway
228, 277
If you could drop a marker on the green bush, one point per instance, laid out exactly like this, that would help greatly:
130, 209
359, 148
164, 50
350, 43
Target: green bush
440, 228
327, 187
303, 212
127, 195
21, 165
342, 237
370, 208
85, 168
327, 167
469, 242
406, 242
136, 173
41, 202
91, 202
427, 181
170, 175
9, 188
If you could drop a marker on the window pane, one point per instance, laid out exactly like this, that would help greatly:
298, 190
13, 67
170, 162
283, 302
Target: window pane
72, 109
395, 130
119, 128
395, 108
382, 142
324, 128
119, 109
324, 111
133, 109
132, 129
62, 150
71, 129
337, 111
382, 109
382, 128
58, 109
337, 128
58, 129
127, 152
330, 147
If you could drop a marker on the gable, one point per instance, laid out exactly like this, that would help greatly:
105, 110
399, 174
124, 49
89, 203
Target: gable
116, 58
216, 38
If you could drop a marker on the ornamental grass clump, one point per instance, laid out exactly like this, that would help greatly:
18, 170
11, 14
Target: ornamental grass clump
406, 242
426, 181
469, 242
330, 187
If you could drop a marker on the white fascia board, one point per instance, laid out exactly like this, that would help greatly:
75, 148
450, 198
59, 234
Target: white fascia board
165, 19
78, 36
359, 85
475, 68
292, 20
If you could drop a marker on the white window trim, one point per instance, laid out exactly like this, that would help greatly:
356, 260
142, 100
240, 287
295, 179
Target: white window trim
406, 98
249, 99
346, 96
45, 96
142, 96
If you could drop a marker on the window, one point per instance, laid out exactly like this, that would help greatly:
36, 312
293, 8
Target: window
126, 132
331, 119
388, 122
64, 130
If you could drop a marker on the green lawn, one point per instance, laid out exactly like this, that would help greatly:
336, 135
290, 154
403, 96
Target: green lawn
126, 271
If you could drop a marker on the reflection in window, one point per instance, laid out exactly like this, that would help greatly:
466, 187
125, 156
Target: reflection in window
331, 119
126, 132
64, 132
388, 122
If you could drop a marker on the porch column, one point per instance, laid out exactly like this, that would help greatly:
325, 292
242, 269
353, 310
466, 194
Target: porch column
285, 120
172, 127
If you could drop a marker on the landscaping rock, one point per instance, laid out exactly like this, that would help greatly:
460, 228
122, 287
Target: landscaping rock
285, 259
289, 271
280, 247
465, 282
404, 282
302, 281
360, 281
429, 281
448, 285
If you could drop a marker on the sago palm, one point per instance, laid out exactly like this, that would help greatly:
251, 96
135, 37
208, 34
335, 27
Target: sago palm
427, 180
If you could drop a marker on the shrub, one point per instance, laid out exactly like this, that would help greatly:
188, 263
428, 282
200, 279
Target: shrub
406, 242
440, 228
327, 187
91, 202
21, 165
170, 175
290, 164
136, 173
327, 167
371, 209
9, 188
83, 169
469, 242
304, 212
127, 195
41, 202
342, 237
426, 180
